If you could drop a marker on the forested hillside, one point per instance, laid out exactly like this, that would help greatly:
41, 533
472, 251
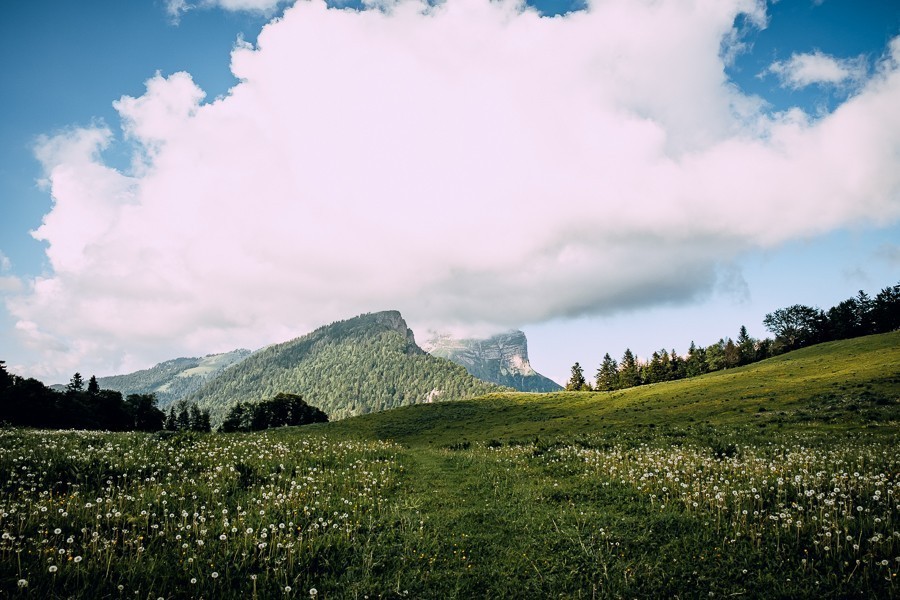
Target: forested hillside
365, 364
173, 379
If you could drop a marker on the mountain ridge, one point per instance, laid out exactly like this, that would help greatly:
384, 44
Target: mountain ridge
175, 378
368, 363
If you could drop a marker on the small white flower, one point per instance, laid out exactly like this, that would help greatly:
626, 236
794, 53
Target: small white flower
53, 568
23, 583
214, 575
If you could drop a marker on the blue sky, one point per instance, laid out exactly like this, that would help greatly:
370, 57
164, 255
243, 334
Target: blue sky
582, 178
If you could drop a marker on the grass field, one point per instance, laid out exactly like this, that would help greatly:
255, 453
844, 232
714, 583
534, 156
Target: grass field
778, 480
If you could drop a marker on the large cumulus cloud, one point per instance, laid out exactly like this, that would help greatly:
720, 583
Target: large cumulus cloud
467, 163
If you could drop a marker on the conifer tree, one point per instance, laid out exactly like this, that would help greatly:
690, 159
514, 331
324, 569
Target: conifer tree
6, 380
76, 384
746, 346
576, 381
171, 423
629, 375
607, 374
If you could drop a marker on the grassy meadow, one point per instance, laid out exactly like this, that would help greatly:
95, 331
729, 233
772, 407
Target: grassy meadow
776, 480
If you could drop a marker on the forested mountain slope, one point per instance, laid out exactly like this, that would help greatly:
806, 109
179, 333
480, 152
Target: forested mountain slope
366, 364
173, 379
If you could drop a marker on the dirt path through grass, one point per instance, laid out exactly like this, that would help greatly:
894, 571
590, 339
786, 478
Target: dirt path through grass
476, 519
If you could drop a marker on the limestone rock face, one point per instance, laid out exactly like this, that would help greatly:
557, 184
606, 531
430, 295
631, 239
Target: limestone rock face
501, 359
392, 319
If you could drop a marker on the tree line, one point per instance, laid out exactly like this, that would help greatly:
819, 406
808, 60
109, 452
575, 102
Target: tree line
282, 410
793, 327
30, 403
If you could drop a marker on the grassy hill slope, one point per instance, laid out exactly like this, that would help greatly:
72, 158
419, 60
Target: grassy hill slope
836, 385
775, 481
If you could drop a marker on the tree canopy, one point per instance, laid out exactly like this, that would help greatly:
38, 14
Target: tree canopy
281, 411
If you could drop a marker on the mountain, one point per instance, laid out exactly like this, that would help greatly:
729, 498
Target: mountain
174, 379
501, 359
365, 364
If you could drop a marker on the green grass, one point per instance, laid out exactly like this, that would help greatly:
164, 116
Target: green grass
834, 386
686, 489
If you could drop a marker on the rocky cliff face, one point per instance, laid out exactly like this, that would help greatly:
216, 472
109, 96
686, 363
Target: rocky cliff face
392, 319
501, 359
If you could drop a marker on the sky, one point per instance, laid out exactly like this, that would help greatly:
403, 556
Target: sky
179, 178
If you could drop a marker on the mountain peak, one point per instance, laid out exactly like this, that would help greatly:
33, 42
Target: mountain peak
366, 363
501, 358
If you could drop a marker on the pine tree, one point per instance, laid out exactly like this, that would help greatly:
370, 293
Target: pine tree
171, 423
195, 419
76, 384
654, 371
696, 361
183, 418
629, 375
746, 346
236, 419
607, 374
576, 381
864, 306
93, 387
6, 380
886, 310
676, 366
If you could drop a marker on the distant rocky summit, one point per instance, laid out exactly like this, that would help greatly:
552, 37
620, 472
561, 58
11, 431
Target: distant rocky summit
501, 359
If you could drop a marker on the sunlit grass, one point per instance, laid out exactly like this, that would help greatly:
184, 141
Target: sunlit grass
835, 386
269, 514
103, 514
781, 480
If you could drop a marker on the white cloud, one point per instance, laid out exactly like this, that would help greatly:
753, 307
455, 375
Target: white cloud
816, 68
8, 283
468, 163
176, 8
